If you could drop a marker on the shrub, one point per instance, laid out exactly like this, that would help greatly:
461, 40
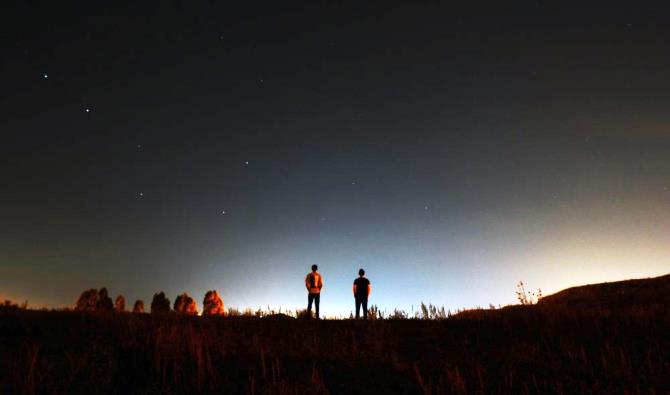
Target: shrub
374, 313
160, 303
88, 300
185, 304
12, 305
398, 315
432, 312
92, 300
234, 312
104, 301
120, 303
527, 297
212, 304
304, 314
138, 307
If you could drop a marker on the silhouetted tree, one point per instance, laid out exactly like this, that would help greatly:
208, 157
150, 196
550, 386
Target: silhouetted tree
120, 303
212, 304
92, 300
160, 303
88, 300
138, 307
104, 301
185, 304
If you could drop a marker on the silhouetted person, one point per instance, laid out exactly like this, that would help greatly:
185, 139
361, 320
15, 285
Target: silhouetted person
313, 283
362, 290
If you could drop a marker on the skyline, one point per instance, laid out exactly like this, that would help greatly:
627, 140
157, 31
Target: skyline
449, 152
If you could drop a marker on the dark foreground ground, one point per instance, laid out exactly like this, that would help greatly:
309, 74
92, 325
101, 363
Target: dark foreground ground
536, 349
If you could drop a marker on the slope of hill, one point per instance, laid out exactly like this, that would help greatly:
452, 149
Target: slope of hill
614, 295
546, 348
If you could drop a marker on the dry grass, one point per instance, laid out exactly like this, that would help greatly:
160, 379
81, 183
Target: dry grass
525, 349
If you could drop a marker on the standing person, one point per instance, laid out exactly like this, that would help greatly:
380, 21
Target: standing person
362, 290
314, 283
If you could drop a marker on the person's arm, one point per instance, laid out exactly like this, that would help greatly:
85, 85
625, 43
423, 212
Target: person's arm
307, 282
354, 290
369, 289
320, 282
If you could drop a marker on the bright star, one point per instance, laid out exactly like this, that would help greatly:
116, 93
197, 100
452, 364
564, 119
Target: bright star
45, 76
88, 110
141, 194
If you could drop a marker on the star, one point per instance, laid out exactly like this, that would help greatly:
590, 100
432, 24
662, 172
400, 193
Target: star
425, 208
261, 81
353, 183
139, 146
246, 162
88, 110
141, 194
45, 76
223, 212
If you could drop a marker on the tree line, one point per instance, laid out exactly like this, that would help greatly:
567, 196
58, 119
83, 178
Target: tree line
99, 300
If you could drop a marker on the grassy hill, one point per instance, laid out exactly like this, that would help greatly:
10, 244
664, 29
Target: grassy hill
553, 347
614, 295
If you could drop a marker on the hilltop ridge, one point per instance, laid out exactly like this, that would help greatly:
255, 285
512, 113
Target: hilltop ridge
627, 293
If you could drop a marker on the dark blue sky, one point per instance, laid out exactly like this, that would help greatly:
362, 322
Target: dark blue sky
450, 152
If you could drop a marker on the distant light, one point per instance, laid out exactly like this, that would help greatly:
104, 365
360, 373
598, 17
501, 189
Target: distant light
88, 110
223, 212
45, 76
141, 194
246, 162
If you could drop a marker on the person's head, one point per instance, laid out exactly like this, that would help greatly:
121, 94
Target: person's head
361, 272
314, 268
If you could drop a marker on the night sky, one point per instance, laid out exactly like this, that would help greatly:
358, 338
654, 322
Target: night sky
449, 152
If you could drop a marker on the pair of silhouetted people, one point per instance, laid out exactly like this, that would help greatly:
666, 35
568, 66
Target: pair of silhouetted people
314, 283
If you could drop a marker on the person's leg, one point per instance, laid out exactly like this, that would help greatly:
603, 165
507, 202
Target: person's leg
317, 299
310, 297
358, 308
364, 302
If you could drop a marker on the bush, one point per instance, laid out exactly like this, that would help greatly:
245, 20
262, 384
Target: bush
88, 300
304, 314
160, 303
527, 297
138, 307
92, 300
120, 303
398, 315
185, 304
104, 301
212, 304
374, 313
8, 304
431, 312
234, 312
